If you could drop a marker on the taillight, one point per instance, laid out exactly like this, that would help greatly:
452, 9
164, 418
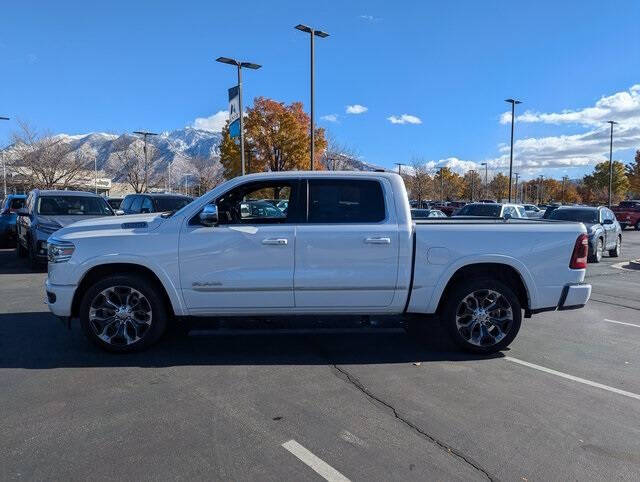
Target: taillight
580, 253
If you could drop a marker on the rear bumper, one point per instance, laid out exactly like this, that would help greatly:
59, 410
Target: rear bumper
59, 298
573, 297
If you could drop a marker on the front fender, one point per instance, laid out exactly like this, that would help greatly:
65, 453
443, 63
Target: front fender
448, 273
172, 290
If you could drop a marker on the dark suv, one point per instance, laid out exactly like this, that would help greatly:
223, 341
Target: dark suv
153, 203
8, 209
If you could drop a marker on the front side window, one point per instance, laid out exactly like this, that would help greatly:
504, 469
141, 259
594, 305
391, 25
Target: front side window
147, 206
136, 205
72, 206
345, 201
171, 204
257, 203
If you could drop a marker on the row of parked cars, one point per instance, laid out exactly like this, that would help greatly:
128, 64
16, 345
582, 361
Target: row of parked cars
27, 221
604, 226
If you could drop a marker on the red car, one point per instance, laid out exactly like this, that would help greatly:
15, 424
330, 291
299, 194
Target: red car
628, 213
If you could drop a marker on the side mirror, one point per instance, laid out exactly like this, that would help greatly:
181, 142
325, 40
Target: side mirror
507, 216
22, 212
607, 221
209, 215
119, 212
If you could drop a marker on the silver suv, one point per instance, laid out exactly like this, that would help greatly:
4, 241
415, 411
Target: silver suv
45, 212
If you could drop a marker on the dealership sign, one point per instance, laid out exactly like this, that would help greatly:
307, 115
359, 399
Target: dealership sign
234, 112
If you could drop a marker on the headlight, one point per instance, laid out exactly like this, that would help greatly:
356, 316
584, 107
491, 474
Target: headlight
48, 228
59, 251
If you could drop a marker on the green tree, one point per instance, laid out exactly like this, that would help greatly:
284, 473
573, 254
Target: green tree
598, 182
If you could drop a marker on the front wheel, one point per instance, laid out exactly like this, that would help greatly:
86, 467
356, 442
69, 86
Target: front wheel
123, 313
596, 257
482, 315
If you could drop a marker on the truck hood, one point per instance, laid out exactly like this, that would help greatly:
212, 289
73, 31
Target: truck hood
62, 221
137, 222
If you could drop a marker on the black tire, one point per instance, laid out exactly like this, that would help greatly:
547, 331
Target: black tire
31, 256
150, 335
494, 338
596, 257
615, 252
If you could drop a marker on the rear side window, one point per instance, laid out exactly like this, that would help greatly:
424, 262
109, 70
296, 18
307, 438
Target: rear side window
136, 204
126, 203
15, 204
345, 201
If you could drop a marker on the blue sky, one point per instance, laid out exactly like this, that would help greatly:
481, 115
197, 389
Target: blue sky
77, 67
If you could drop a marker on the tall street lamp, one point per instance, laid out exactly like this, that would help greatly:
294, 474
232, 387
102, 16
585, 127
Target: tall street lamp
516, 187
611, 159
399, 164
240, 65
473, 179
564, 180
4, 167
513, 103
144, 135
312, 33
486, 179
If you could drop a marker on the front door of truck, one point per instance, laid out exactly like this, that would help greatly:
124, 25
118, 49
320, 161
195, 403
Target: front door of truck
246, 261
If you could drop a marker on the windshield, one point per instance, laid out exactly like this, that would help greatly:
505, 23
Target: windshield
580, 215
491, 210
73, 206
171, 203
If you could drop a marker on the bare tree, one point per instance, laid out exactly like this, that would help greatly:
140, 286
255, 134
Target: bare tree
132, 165
418, 180
208, 173
338, 156
44, 160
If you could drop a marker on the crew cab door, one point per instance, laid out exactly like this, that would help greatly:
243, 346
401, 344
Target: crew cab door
246, 261
347, 251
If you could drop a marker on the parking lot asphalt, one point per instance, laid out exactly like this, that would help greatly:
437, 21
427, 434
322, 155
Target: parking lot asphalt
320, 398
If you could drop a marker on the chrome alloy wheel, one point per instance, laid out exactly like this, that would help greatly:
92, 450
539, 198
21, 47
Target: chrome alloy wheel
484, 317
120, 315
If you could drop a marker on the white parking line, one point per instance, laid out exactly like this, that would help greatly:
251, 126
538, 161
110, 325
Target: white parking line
573, 378
621, 322
318, 465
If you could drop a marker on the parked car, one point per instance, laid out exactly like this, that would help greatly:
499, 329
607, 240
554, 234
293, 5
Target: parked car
628, 214
548, 210
347, 246
427, 213
605, 233
45, 212
115, 202
493, 210
153, 203
8, 209
533, 211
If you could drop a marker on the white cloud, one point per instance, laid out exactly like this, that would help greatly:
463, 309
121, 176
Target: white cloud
330, 117
404, 119
369, 18
356, 109
213, 123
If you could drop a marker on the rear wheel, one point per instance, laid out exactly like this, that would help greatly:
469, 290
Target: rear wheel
596, 257
637, 225
20, 251
615, 252
123, 313
482, 315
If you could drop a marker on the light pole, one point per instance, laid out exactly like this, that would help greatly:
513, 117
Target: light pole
540, 186
4, 167
240, 65
516, 187
513, 103
611, 159
473, 179
144, 135
399, 164
486, 179
564, 180
312, 33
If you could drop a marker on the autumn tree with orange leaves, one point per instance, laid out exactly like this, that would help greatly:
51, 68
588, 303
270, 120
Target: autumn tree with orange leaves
276, 139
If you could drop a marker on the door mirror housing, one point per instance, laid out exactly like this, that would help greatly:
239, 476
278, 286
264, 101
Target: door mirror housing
209, 215
22, 212
119, 212
507, 216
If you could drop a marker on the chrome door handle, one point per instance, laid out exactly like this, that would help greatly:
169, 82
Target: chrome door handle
378, 240
275, 241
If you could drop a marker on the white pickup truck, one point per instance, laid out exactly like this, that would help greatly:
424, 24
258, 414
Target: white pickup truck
320, 243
